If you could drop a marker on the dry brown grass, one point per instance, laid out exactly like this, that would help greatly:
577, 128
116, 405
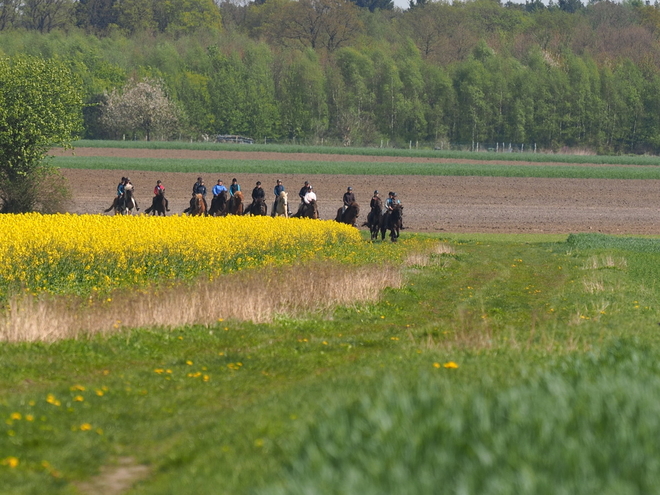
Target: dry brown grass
433, 256
257, 296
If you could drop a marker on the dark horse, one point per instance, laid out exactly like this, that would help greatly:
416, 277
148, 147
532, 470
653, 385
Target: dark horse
157, 205
350, 215
374, 218
219, 204
235, 205
391, 221
124, 204
308, 211
258, 207
199, 207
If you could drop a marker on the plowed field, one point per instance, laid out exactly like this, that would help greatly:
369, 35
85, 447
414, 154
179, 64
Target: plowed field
432, 203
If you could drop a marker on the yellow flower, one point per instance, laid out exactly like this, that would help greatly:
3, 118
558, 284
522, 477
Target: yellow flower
436, 365
451, 365
79, 398
85, 427
10, 461
16, 416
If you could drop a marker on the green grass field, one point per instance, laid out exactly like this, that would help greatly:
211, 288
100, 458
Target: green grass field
514, 364
420, 153
359, 168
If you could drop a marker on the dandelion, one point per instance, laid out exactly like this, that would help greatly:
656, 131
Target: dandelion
450, 365
189, 363
436, 365
29, 417
16, 416
10, 461
85, 427
79, 398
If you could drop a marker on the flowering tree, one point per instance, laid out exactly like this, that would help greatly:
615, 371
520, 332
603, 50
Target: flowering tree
142, 106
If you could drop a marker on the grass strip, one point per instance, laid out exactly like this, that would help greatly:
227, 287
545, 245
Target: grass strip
358, 168
419, 153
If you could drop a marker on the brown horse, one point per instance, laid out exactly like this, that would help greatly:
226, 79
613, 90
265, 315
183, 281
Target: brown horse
219, 204
310, 210
391, 221
350, 215
374, 217
235, 205
157, 205
258, 207
199, 206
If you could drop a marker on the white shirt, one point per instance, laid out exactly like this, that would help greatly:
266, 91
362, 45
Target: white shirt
309, 197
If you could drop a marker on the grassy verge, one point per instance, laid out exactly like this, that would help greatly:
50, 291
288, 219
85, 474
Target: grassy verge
506, 364
421, 153
359, 168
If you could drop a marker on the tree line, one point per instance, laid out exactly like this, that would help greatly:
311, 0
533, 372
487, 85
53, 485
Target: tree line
357, 73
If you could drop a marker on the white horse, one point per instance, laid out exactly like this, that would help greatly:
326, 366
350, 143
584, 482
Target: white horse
281, 205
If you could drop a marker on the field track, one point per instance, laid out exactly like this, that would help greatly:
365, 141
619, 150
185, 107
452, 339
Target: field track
432, 203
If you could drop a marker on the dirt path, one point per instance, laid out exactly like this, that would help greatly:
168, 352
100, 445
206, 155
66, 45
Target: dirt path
432, 203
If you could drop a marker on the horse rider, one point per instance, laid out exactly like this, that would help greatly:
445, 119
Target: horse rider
279, 188
234, 187
129, 185
349, 198
198, 188
258, 193
120, 193
375, 199
160, 189
219, 188
303, 191
306, 198
391, 202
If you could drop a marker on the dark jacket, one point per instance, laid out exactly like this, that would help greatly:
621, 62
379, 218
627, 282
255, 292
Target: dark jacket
349, 198
258, 192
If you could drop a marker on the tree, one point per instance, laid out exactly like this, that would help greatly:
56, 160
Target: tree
40, 106
143, 106
46, 15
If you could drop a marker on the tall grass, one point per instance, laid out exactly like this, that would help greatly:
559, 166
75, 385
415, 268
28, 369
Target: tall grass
358, 168
249, 296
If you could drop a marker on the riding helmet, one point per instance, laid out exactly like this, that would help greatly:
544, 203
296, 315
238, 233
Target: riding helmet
376, 192
258, 183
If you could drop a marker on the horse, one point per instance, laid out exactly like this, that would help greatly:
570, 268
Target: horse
310, 210
219, 204
124, 204
281, 206
258, 207
199, 207
235, 205
374, 218
349, 215
391, 221
157, 205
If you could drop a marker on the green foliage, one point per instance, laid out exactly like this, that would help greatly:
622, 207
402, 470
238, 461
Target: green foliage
41, 103
556, 387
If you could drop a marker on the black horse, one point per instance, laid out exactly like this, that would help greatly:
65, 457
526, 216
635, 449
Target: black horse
258, 207
219, 204
374, 218
391, 221
158, 205
349, 215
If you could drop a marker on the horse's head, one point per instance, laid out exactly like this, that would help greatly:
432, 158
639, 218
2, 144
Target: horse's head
239, 196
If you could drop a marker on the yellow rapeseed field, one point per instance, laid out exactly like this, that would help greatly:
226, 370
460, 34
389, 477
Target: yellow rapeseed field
86, 253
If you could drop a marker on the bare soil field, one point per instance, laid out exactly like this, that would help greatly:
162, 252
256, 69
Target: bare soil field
431, 203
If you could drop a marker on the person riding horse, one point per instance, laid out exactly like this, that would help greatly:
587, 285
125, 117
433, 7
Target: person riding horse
159, 203
219, 201
198, 188
118, 202
390, 203
279, 188
349, 198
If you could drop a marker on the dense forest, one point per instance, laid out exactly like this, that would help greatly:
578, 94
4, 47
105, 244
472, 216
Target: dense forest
476, 73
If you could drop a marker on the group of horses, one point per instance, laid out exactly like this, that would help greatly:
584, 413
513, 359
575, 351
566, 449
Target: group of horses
377, 221
224, 204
